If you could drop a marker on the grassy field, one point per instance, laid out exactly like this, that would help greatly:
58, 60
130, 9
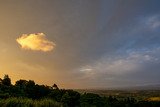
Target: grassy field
25, 102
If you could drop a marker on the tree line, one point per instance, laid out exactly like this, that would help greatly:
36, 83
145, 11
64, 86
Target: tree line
68, 98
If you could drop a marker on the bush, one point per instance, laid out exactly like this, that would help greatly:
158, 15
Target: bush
91, 100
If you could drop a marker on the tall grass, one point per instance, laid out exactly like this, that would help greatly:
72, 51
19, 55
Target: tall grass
25, 102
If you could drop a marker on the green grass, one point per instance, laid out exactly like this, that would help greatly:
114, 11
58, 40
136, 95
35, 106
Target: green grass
25, 102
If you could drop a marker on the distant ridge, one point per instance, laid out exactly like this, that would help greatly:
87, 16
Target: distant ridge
148, 87
139, 87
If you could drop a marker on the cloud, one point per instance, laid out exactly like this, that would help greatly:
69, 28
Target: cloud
86, 69
154, 21
36, 42
111, 67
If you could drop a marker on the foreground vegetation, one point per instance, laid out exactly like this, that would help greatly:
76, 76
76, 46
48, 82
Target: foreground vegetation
25, 102
28, 94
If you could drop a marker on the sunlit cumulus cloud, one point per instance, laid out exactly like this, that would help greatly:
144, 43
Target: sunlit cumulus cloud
36, 42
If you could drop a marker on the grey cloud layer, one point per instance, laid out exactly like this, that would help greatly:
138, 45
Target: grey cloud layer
102, 43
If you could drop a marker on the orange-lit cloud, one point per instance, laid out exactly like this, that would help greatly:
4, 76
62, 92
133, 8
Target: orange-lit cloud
37, 42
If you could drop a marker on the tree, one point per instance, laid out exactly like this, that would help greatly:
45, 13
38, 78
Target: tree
55, 86
6, 80
0, 81
70, 98
31, 89
20, 88
41, 91
91, 100
21, 82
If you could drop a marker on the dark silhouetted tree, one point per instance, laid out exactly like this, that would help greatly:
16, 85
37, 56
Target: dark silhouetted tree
31, 89
21, 83
91, 100
55, 86
71, 98
6, 81
0, 81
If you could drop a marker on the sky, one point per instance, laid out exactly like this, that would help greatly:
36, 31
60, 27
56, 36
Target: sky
81, 43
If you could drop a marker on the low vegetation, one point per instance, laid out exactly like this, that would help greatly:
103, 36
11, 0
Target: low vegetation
29, 94
25, 102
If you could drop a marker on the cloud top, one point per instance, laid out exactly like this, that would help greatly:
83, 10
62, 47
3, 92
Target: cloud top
36, 42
